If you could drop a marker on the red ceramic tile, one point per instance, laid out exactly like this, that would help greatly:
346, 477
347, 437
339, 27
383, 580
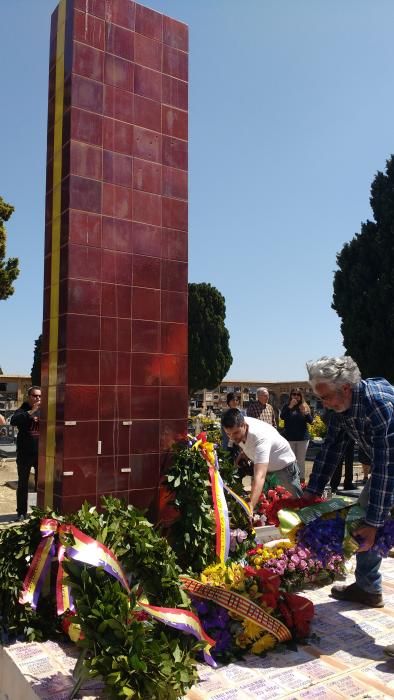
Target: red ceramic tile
147, 240
52, 84
80, 440
147, 176
81, 402
145, 336
83, 479
86, 126
117, 201
174, 338
118, 72
115, 367
45, 336
84, 228
117, 168
174, 275
174, 122
147, 144
117, 136
175, 213
115, 438
114, 403
147, 113
145, 436
174, 402
116, 334
174, 244
174, 183
144, 402
93, 7
175, 63
85, 160
174, 152
89, 30
109, 475
121, 12
84, 194
118, 104
145, 470
80, 332
117, 267
148, 22
174, 307
84, 297
146, 271
47, 303
172, 431
143, 498
87, 94
145, 370
82, 367
84, 262
88, 61
119, 41
117, 234
175, 33
147, 83
175, 92
116, 300
146, 303
173, 370
147, 52
147, 208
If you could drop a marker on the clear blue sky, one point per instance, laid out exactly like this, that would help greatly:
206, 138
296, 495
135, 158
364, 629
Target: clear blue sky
291, 115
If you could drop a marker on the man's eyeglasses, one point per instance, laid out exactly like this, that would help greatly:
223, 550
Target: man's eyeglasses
35, 396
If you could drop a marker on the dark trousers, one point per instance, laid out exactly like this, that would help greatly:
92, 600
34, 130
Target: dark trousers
24, 468
336, 477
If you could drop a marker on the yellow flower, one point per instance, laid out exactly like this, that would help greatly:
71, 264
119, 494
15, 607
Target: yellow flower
252, 630
236, 577
214, 574
267, 641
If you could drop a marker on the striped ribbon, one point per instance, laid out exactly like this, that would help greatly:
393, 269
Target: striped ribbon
76, 545
238, 604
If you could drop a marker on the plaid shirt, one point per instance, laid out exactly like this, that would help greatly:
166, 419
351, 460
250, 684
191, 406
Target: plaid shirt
370, 422
265, 413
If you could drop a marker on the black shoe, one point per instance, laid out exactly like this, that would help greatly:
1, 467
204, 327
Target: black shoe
349, 487
389, 651
20, 518
355, 594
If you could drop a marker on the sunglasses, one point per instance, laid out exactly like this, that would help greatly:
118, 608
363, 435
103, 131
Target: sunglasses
295, 394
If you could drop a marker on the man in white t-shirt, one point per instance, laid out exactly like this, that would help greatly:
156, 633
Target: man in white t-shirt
268, 450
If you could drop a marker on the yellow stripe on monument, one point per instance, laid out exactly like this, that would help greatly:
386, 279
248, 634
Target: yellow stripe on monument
55, 258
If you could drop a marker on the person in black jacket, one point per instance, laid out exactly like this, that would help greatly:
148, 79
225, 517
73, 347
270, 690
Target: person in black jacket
296, 416
27, 420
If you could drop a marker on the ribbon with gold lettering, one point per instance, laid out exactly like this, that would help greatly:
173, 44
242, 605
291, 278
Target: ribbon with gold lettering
237, 604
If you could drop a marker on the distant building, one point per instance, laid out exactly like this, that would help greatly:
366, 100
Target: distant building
215, 400
13, 390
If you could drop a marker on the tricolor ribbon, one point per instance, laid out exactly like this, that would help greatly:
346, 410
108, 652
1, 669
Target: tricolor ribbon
182, 620
237, 604
76, 545
239, 500
222, 522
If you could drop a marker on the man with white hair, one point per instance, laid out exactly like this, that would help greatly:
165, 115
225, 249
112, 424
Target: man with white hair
362, 410
261, 409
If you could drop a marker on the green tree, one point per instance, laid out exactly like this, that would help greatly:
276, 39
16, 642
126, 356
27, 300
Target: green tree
36, 368
209, 352
364, 284
9, 269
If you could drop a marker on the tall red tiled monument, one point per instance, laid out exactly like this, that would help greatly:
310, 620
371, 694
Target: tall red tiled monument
114, 363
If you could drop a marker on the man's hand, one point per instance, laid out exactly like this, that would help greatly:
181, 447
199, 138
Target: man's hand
367, 533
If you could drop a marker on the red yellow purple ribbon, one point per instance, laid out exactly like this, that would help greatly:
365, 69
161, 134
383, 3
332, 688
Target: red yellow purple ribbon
182, 620
239, 500
237, 604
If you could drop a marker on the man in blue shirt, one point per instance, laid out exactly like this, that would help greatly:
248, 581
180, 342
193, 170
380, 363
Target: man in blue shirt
363, 410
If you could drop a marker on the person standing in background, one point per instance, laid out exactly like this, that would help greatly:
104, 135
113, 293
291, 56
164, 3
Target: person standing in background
296, 416
27, 420
261, 409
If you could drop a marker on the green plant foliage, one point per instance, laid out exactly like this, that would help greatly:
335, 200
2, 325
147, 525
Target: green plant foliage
193, 535
209, 352
364, 284
9, 269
